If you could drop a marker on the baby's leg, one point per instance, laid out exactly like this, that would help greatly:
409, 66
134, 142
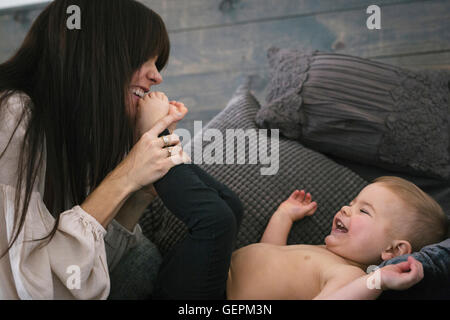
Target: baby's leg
225, 193
197, 267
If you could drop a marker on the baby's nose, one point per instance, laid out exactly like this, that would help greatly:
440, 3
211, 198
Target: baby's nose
346, 211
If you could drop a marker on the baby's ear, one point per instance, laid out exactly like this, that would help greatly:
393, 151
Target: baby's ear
396, 249
402, 247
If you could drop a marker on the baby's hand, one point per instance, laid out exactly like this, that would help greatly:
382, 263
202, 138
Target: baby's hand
402, 275
151, 108
298, 205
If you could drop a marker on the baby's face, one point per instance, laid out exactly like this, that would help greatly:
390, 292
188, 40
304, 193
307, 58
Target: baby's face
359, 230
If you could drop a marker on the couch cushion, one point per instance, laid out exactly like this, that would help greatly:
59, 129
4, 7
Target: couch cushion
361, 110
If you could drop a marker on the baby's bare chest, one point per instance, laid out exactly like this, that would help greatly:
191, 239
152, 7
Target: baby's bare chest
287, 272
307, 267
311, 260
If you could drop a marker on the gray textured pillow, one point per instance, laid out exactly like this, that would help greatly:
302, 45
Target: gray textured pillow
361, 110
330, 184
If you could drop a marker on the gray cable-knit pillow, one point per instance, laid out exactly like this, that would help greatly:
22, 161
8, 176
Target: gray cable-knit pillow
330, 184
361, 110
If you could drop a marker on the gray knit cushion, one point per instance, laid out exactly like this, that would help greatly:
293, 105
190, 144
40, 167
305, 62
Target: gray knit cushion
361, 110
330, 184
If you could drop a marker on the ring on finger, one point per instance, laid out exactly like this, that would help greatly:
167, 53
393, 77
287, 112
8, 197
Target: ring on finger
170, 150
166, 141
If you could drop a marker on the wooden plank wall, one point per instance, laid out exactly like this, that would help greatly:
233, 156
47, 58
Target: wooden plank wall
219, 44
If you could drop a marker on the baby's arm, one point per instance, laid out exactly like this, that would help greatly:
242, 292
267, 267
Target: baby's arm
297, 206
399, 276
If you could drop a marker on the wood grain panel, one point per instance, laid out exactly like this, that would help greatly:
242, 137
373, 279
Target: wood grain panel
412, 28
13, 29
196, 14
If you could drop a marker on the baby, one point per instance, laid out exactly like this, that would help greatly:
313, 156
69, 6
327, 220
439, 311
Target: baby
388, 218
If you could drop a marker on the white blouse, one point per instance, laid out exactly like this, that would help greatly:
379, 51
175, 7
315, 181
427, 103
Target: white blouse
74, 264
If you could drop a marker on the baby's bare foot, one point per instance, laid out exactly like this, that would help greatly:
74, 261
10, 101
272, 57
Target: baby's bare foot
151, 108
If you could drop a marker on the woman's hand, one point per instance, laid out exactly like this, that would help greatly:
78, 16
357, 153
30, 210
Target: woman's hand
151, 108
297, 206
402, 275
150, 158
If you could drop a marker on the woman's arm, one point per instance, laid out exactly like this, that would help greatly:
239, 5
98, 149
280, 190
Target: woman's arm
106, 200
132, 210
146, 163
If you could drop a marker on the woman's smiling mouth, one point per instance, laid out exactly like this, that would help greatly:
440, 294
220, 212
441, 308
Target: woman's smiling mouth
139, 91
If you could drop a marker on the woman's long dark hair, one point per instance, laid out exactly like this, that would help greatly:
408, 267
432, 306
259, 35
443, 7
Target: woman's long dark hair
78, 82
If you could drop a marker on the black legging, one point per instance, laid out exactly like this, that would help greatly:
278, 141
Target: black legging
197, 267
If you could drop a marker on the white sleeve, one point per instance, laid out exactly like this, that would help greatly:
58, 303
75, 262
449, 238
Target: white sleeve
73, 264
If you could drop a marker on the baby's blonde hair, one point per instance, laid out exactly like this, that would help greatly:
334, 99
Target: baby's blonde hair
425, 224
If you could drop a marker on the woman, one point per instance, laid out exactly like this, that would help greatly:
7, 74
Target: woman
76, 169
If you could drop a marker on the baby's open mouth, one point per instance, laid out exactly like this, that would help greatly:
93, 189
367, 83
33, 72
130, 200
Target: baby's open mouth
340, 227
